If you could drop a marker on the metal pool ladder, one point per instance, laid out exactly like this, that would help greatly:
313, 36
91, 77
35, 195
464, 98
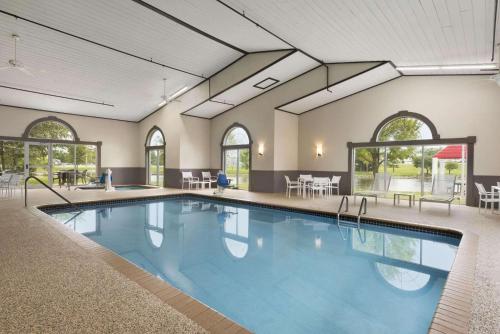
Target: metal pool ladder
364, 202
346, 199
46, 186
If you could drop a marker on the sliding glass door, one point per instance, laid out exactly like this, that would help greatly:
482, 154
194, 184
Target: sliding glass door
410, 169
38, 158
156, 161
237, 166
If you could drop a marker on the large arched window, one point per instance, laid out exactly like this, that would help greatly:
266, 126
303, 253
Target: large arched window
155, 157
50, 128
407, 156
236, 155
54, 153
404, 129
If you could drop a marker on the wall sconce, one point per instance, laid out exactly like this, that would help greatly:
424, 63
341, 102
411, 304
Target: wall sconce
319, 150
261, 149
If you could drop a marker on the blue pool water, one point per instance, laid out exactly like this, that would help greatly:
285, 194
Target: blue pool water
276, 271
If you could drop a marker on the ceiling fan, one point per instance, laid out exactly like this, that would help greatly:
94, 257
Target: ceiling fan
14, 64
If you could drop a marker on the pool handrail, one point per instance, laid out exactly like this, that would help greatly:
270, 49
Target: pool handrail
363, 205
342, 205
46, 186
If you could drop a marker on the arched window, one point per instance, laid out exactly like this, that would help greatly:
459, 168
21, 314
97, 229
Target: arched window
155, 157
405, 126
156, 139
403, 129
236, 136
50, 128
236, 155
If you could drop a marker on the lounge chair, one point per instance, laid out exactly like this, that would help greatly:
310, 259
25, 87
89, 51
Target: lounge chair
207, 178
487, 197
187, 177
443, 191
380, 187
290, 185
334, 185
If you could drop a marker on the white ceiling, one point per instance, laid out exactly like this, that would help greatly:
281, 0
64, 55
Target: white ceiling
286, 68
407, 32
67, 66
365, 80
215, 19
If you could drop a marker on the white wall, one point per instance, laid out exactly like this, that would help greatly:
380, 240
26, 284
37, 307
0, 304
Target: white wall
286, 141
459, 106
187, 138
119, 139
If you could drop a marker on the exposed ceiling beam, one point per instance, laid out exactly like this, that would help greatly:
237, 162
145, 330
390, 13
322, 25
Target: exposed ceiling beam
187, 25
100, 44
268, 31
58, 96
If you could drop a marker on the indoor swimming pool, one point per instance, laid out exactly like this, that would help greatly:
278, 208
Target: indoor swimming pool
277, 271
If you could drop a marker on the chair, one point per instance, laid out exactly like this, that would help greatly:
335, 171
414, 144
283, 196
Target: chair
443, 191
290, 185
319, 184
207, 178
82, 176
305, 181
222, 182
380, 187
187, 177
4, 183
487, 197
334, 185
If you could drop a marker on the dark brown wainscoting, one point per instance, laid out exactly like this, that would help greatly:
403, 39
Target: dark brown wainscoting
127, 175
173, 176
274, 181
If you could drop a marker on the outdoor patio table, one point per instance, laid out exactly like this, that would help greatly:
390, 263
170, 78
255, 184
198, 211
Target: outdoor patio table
411, 198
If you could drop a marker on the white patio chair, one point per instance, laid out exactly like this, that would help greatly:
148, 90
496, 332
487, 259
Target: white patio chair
443, 191
305, 181
486, 197
207, 178
334, 185
4, 184
319, 185
380, 187
187, 177
290, 185
14, 184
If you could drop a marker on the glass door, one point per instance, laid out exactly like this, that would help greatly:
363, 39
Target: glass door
237, 167
63, 167
156, 166
38, 162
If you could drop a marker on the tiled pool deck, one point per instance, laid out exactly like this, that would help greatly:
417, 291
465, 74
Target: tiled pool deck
91, 294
